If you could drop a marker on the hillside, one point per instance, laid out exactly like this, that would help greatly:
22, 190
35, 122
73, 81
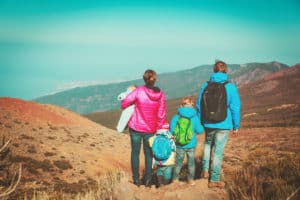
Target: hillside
272, 101
58, 149
64, 154
176, 84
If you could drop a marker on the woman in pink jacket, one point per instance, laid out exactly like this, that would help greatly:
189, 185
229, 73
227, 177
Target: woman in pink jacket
148, 117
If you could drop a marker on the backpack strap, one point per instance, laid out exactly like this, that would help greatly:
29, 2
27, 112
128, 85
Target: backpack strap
225, 82
187, 128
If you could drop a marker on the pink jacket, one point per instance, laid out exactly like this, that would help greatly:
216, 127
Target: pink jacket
150, 109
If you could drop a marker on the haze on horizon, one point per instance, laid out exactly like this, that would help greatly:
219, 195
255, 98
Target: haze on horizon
47, 46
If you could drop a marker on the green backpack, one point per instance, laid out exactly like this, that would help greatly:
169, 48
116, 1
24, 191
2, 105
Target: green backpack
183, 131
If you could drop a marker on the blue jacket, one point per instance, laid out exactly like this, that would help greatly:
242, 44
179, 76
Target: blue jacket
232, 120
188, 112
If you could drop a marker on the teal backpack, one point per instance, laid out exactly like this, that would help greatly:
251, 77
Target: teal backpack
183, 131
162, 147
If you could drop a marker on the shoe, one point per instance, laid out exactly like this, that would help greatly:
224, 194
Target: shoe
160, 181
191, 182
148, 183
204, 174
218, 184
137, 183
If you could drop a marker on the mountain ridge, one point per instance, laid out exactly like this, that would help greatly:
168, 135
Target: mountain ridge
274, 90
175, 84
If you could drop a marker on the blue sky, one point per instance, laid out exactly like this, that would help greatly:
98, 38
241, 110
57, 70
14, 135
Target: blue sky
47, 46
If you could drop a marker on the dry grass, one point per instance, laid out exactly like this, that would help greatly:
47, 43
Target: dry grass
266, 176
102, 189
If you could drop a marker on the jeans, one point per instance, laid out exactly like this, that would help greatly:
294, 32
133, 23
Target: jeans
165, 172
180, 153
215, 139
136, 140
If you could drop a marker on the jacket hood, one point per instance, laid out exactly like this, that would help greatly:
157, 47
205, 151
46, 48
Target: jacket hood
154, 93
188, 112
218, 77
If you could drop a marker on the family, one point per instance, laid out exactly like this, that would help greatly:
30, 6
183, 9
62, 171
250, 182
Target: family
216, 112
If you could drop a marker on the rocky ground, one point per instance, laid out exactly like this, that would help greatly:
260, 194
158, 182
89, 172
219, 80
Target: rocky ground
173, 191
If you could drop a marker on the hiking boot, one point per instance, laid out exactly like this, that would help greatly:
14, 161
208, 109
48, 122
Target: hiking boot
160, 181
191, 182
218, 184
148, 183
137, 183
204, 174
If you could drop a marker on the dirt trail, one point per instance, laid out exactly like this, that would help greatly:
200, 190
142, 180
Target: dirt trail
174, 191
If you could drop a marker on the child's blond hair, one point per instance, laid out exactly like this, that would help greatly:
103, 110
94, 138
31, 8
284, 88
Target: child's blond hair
187, 101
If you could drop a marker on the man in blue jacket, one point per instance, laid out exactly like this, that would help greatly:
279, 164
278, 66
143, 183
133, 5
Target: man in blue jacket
216, 133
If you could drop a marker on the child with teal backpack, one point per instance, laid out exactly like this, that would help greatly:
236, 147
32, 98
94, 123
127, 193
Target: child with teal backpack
184, 126
163, 150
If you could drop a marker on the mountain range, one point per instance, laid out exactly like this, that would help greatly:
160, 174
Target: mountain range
273, 100
103, 97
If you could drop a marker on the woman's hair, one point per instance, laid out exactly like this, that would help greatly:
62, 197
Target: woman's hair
220, 66
149, 77
187, 101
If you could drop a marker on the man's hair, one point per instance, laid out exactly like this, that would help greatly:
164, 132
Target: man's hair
187, 101
149, 77
220, 66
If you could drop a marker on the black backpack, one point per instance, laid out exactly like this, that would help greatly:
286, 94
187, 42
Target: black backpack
214, 103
